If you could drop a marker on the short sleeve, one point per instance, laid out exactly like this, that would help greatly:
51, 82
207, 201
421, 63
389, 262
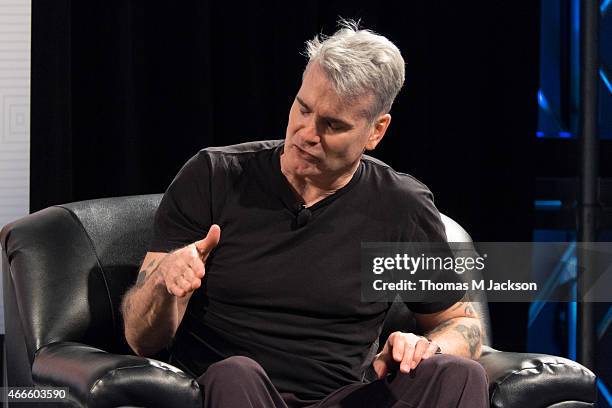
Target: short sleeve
184, 214
428, 227
427, 224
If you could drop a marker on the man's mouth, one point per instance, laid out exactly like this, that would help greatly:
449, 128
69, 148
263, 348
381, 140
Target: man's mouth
304, 154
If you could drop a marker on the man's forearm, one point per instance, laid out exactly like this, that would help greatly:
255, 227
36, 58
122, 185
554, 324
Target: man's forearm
461, 336
149, 312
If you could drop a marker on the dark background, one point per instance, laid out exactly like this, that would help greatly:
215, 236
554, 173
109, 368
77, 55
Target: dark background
123, 93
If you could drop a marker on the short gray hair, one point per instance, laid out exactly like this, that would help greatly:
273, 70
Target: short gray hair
359, 62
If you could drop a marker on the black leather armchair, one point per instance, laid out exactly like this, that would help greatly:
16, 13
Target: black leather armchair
67, 267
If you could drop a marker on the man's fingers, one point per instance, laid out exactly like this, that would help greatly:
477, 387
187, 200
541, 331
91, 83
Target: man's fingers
183, 284
206, 245
402, 351
397, 344
421, 348
382, 364
406, 362
380, 368
405, 349
430, 351
180, 289
175, 290
182, 281
196, 265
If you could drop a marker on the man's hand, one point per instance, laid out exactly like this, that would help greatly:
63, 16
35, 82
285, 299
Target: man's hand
155, 306
458, 329
182, 270
403, 349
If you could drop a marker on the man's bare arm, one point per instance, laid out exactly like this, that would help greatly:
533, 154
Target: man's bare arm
457, 330
154, 307
150, 313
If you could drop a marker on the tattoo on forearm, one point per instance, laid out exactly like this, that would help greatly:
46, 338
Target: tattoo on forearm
440, 327
145, 274
471, 334
142, 276
464, 302
469, 310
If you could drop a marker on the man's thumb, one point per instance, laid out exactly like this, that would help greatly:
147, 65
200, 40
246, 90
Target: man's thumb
380, 367
206, 245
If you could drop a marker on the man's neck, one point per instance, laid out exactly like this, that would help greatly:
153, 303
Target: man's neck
314, 189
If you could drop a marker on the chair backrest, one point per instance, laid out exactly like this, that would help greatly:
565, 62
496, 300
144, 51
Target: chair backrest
68, 266
66, 269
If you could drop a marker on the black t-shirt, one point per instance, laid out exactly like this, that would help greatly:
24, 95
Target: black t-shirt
286, 295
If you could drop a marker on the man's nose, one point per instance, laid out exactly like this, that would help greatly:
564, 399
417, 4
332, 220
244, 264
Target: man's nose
310, 133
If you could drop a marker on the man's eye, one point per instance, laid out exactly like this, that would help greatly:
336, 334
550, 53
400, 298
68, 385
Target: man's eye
304, 112
333, 126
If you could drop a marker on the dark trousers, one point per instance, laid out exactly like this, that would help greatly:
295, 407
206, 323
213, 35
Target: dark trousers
440, 381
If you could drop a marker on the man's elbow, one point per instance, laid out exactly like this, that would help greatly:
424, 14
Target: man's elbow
146, 340
140, 351
143, 351
145, 348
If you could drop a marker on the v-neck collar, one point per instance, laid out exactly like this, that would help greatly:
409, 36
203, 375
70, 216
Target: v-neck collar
292, 200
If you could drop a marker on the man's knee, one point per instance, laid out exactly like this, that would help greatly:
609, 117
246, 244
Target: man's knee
442, 381
232, 369
452, 366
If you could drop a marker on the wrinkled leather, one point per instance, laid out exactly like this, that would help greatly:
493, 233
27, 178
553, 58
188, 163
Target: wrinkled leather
110, 380
59, 286
67, 268
536, 380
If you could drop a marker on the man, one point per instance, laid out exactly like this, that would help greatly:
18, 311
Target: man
253, 276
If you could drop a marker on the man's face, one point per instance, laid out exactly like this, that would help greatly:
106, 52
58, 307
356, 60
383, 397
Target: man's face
326, 135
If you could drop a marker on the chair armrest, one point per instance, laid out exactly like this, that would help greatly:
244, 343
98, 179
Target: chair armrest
96, 378
536, 380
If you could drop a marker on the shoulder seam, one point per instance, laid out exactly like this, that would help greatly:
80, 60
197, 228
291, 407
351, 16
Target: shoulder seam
381, 164
220, 149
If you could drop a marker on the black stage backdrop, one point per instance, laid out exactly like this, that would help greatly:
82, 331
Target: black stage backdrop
123, 93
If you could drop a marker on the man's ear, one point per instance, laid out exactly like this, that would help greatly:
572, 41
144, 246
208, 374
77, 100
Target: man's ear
378, 131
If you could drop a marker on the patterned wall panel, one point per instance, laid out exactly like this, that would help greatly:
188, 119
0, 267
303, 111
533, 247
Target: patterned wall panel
15, 16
